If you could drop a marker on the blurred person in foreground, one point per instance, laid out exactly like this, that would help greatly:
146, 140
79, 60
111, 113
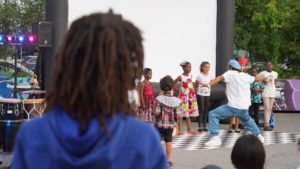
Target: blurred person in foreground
248, 153
88, 124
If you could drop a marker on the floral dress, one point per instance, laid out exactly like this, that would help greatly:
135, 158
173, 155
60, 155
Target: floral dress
146, 113
189, 106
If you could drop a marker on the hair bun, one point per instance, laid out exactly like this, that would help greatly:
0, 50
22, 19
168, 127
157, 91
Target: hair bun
183, 63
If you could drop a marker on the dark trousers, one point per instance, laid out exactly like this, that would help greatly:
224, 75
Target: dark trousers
253, 111
203, 106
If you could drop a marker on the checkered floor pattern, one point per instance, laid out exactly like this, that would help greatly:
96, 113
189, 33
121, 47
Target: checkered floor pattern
196, 142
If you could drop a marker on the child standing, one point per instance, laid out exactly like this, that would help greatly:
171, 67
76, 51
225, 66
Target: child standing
189, 107
146, 94
269, 93
166, 113
203, 93
256, 99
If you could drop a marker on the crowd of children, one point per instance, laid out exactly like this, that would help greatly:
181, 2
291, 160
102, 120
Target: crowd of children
189, 97
195, 98
166, 111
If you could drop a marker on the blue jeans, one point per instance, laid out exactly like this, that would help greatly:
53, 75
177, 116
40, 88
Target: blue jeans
226, 111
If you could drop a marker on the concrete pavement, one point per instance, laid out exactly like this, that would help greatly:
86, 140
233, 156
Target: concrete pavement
278, 156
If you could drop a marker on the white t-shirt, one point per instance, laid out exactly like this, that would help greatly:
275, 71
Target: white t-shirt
204, 79
238, 89
270, 88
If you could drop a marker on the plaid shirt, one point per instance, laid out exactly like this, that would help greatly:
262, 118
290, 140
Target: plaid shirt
165, 116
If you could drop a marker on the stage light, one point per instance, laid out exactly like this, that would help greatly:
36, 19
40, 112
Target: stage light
2, 39
20, 39
9, 38
8, 123
31, 39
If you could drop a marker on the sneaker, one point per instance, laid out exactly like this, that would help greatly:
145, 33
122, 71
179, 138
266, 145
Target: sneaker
205, 129
200, 130
267, 128
261, 138
214, 141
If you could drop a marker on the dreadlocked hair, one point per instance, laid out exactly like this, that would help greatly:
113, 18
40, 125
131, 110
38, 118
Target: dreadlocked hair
100, 59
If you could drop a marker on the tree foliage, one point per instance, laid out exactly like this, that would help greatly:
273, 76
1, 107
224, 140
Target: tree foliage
9, 18
16, 17
269, 30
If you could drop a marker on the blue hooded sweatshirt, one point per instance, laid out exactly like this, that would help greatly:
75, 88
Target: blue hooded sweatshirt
55, 142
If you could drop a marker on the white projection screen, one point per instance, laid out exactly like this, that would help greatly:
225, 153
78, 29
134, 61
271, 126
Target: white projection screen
173, 30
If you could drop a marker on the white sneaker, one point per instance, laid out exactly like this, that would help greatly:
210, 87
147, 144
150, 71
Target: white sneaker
261, 138
214, 141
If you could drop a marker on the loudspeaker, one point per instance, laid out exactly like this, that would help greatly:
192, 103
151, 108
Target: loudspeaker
43, 32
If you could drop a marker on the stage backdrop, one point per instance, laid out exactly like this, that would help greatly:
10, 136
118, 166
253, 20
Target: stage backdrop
173, 30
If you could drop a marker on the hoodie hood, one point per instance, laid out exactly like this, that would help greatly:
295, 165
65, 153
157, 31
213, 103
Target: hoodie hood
80, 150
170, 101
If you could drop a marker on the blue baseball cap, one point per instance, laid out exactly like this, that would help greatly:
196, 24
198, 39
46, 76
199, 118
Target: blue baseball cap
235, 64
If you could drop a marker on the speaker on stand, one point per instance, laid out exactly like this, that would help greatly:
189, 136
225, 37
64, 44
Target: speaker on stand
43, 32
44, 37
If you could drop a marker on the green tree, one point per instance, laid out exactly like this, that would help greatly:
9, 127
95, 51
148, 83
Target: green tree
263, 27
31, 10
291, 45
10, 17
16, 17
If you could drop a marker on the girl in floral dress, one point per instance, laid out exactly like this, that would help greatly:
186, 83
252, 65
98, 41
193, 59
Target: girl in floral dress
188, 107
147, 99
